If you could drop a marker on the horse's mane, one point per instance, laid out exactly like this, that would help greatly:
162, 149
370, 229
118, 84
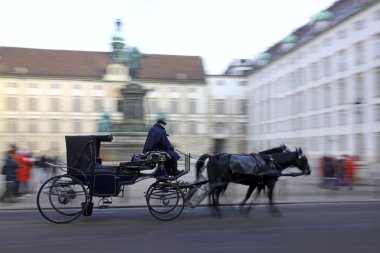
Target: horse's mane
284, 157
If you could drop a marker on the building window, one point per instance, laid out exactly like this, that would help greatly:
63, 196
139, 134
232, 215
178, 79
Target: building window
12, 126
242, 105
98, 105
219, 128
342, 92
377, 82
54, 147
32, 104
377, 47
120, 105
192, 106
54, 102
193, 127
12, 103
77, 104
342, 118
359, 53
359, 87
314, 75
342, 34
174, 106
32, 126
77, 127
327, 120
327, 96
327, 67
376, 15
220, 106
359, 25
153, 106
342, 60
55, 126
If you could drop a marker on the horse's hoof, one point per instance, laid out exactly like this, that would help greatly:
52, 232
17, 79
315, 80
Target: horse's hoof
216, 212
275, 212
244, 211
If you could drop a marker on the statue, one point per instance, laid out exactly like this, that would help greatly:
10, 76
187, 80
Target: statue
105, 123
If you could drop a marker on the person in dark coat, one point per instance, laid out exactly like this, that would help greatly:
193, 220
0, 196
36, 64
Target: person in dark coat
10, 166
157, 140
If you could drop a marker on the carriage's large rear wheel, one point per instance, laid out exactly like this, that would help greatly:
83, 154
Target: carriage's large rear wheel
62, 199
165, 200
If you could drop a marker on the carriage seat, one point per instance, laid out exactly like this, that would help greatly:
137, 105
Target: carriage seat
138, 165
144, 161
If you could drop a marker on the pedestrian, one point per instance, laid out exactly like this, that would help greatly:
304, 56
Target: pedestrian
9, 170
157, 140
349, 170
24, 160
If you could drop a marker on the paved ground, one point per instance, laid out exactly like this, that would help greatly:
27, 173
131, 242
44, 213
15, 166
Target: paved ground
288, 190
342, 227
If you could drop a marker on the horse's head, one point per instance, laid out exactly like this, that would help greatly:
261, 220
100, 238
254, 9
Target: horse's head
301, 162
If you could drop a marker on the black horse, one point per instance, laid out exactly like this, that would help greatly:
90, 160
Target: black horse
214, 194
221, 170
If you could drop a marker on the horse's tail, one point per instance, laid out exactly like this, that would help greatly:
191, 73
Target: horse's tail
200, 165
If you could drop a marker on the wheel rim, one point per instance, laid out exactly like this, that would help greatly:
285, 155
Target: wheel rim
165, 201
62, 199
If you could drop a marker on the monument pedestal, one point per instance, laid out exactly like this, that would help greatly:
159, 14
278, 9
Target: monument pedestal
123, 146
130, 134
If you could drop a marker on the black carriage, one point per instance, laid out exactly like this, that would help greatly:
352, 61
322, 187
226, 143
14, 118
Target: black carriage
64, 198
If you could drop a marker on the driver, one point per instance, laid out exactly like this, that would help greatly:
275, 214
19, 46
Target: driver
157, 140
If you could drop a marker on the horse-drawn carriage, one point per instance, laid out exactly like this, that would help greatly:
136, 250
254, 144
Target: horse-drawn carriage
64, 198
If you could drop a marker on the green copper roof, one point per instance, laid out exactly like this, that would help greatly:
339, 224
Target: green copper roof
290, 39
264, 56
324, 15
118, 37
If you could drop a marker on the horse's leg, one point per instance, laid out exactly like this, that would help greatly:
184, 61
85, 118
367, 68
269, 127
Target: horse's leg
215, 201
270, 183
243, 210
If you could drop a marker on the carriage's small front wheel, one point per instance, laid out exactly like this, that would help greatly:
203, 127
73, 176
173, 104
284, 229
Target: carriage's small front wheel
62, 199
165, 200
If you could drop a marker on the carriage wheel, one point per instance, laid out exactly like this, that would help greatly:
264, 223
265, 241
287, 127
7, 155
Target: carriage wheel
165, 200
62, 199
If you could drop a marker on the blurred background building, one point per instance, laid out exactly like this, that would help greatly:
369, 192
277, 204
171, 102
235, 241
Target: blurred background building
318, 88
48, 94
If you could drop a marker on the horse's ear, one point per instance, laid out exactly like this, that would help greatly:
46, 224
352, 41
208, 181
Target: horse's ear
300, 150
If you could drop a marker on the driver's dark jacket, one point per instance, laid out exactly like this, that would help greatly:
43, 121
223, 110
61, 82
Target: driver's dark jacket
157, 140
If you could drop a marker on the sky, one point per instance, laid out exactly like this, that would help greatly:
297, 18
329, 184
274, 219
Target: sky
218, 31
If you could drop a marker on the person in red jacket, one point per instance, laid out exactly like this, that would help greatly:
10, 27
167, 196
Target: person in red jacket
23, 171
349, 170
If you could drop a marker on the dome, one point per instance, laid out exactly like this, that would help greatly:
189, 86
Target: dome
324, 15
290, 39
264, 56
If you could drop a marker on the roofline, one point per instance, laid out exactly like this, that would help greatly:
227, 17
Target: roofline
51, 77
250, 72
